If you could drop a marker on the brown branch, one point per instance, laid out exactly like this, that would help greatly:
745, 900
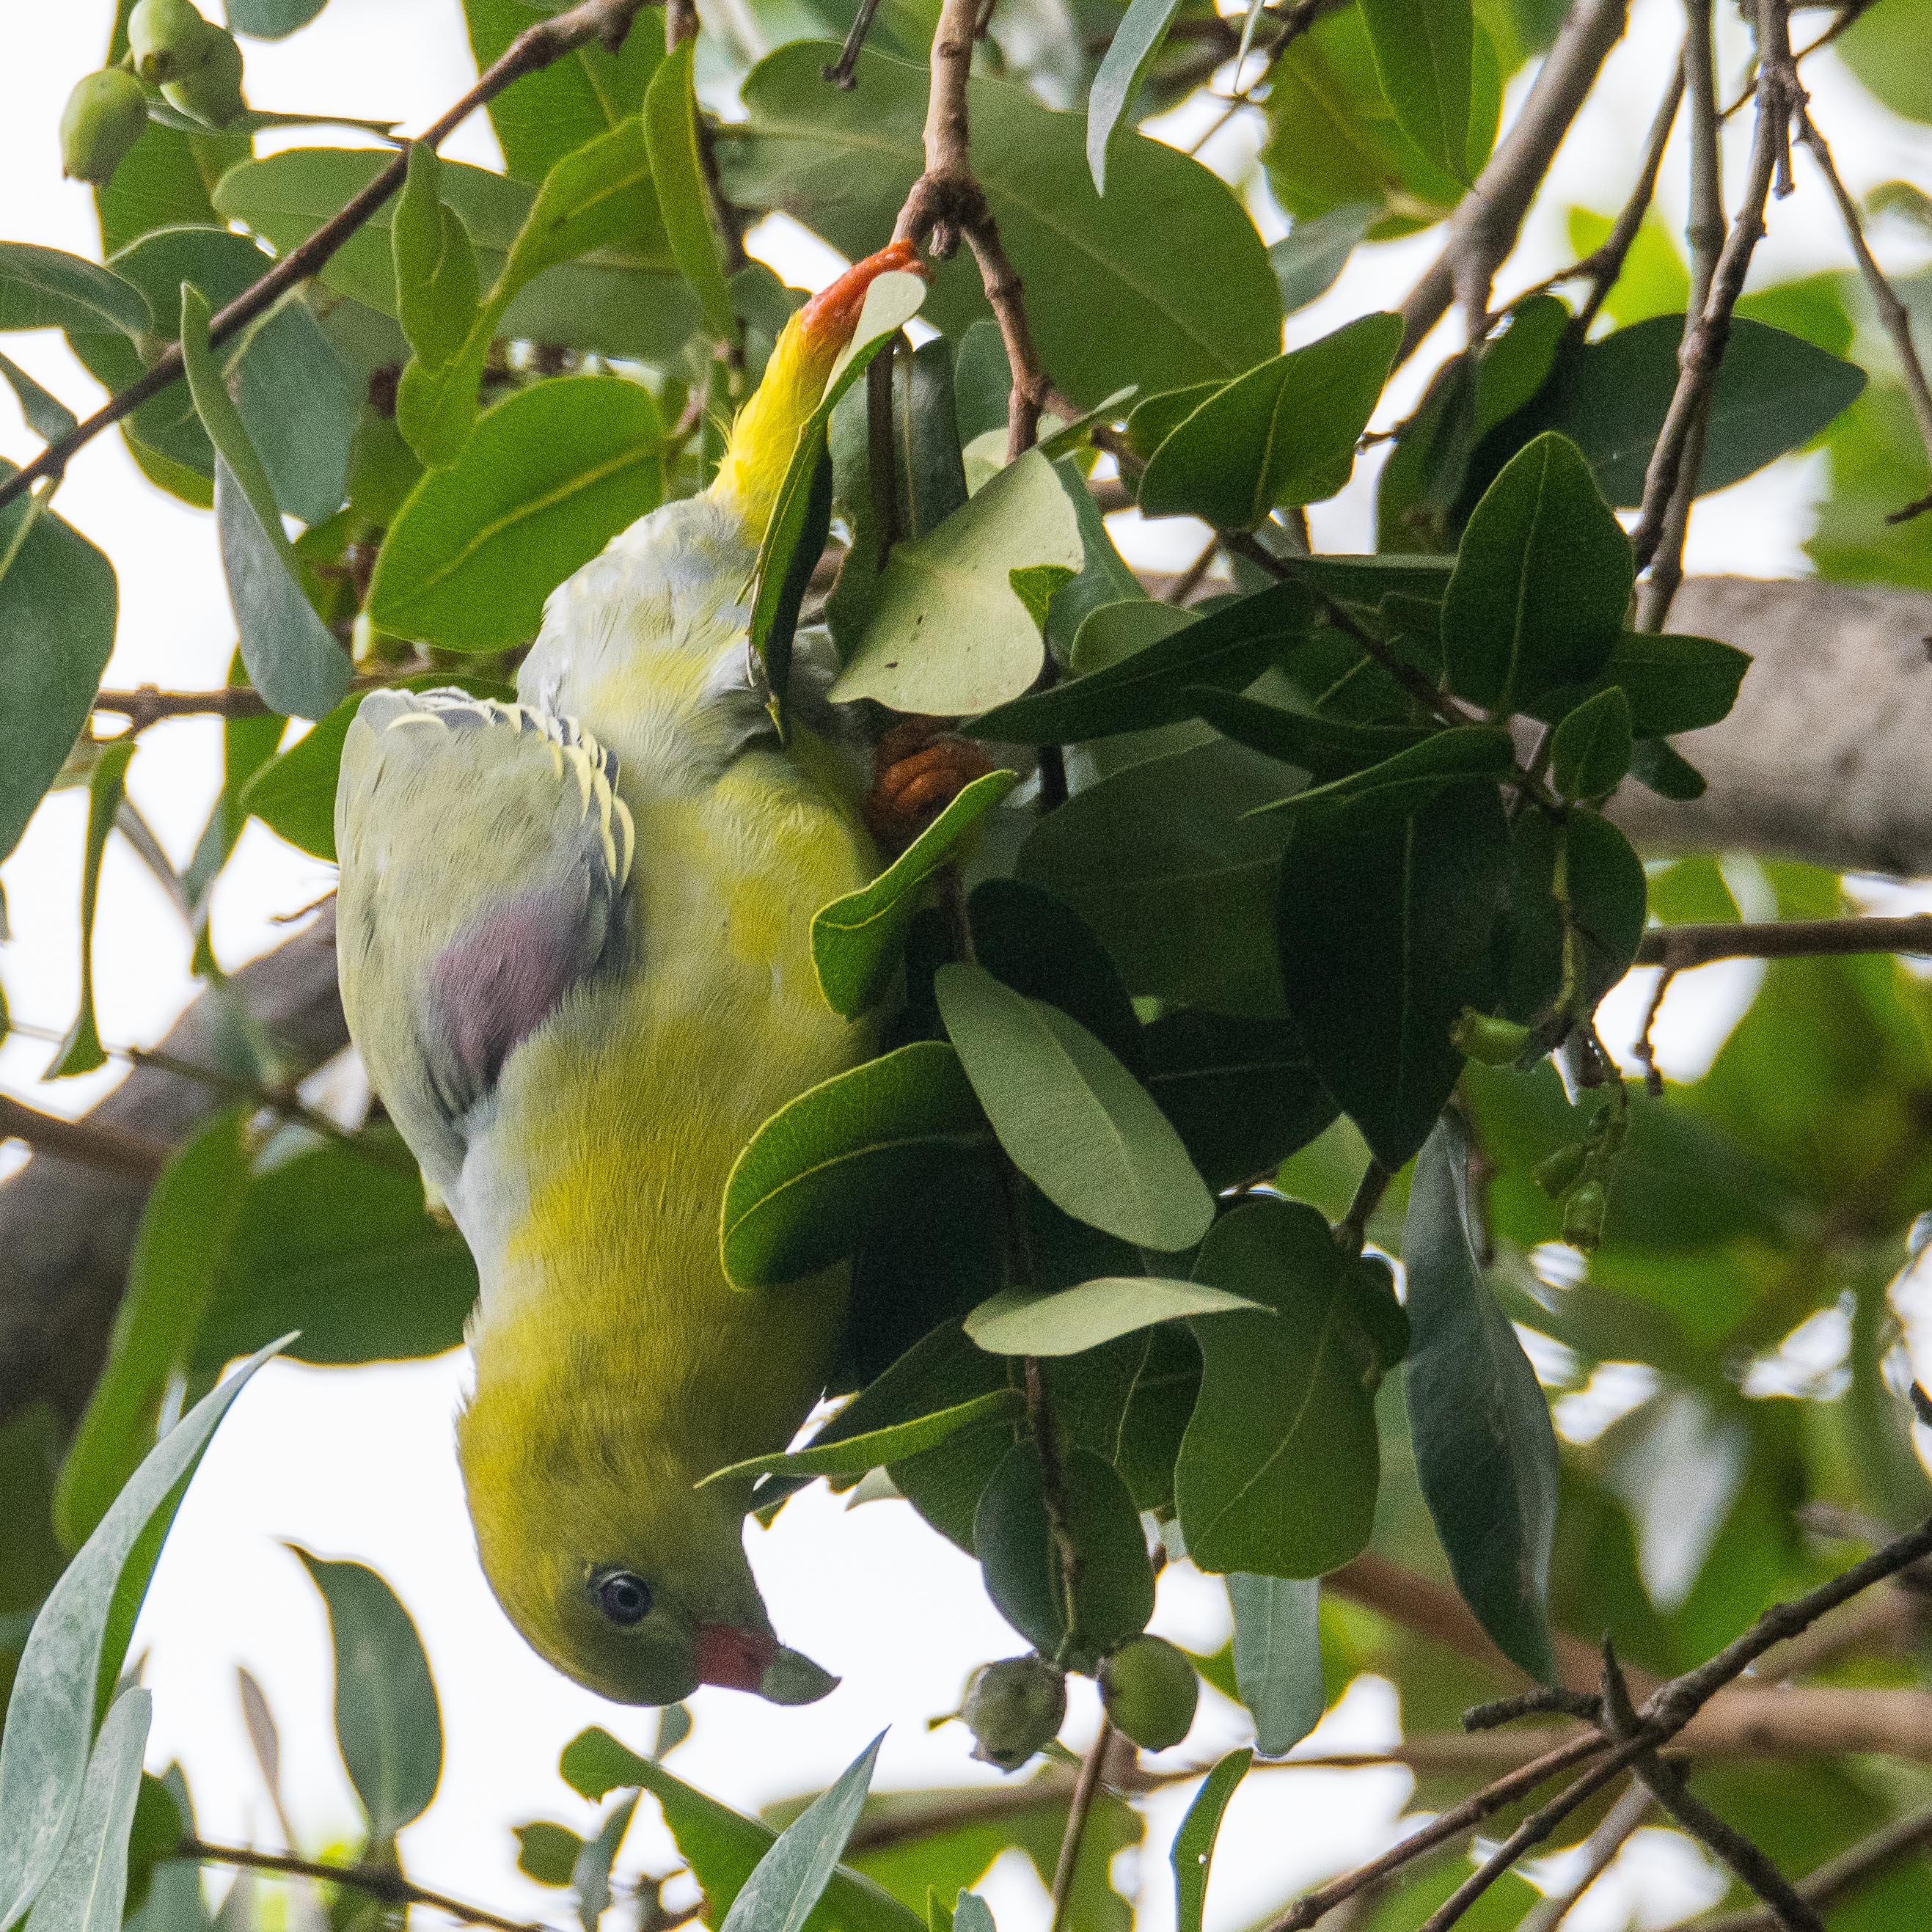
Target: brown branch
1838, 1877
1676, 947
1079, 1809
383, 1883
537, 46
149, 704
92, 1143
1483, 229
1604, 264
1705, 340
1600, 1853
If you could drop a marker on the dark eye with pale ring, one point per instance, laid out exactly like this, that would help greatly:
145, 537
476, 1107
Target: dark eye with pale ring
624, 1599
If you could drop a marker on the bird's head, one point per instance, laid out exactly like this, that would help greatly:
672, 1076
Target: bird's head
609, 1561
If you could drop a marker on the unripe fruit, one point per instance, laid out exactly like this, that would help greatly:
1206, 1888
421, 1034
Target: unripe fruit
1149, 1690
1012, 1708
1583, 1214
168, 38
1494, 1042
212, 92
102, 120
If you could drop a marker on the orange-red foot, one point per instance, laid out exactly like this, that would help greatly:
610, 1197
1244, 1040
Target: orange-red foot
919, 768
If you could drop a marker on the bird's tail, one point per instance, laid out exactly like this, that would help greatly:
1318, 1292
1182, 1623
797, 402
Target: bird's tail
767, 430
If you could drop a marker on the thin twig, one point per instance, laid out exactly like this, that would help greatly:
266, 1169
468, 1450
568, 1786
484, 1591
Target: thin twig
1645, 1051
1679, 946
380, 1881
1079, 1809
1604, 264
1705, 340
1836, 1878
1599, 1852
537, 46
1352, 1229
841, 72
90, 1143
149, 704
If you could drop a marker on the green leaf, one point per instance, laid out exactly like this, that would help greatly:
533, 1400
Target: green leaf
1284, 433
1109, 1590
1591, 751
1542, 581
271, 20
436, 265
1240, 1092
1278, 1467
46, 415
1774, 392
950, 631
721, 1846
58, 600
1141, 258
1673, 684
86, 1889
293, 660
1603, 883
546, 1853
1162, 861
76, 1647
854, 1455
1385, 928
335, 1240
1325, 748
1277, 1657
857, 940
590, 1870
838, 1162
1075, 1122
178, 1250
1131, 51
788, 1882
1309, 258
42, 288
1485, 1452
1193, 1852
1411, 777
670, 140
388, 1722
546, 479
1425, 57
1022, 1322
624, 298
785, 556
1228, 649
81, 1051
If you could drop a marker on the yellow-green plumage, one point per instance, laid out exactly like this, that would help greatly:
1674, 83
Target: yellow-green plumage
575, 951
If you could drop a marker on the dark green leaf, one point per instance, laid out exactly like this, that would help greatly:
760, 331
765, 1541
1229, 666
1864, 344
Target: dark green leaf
1516, 361
1604, 886
1193, 1849
842, 163
1325, 748
546, 1853
1591, 751
1154, 685
1075, 1122
1111, 1593
1412, 776
1673, 684
547, 478
854, 1455
1277, 1657
293, 660
671, 139
388, 1722
842, 1158
77, 1645
1485, 1452
788, 1882
1278, 1467
436, 265
1542, 581
1283, 433
179, 1249
1656, 763
57, 602
1425, 56
1136, 41
857, 940
85, 1891
81, 1051
46, 415
42, 288
1020, 1322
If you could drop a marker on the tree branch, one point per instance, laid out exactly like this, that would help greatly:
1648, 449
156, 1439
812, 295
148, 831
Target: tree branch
380, 1881
1676, 947
1079, 1809
1837, 1878
537, 46
93, 1144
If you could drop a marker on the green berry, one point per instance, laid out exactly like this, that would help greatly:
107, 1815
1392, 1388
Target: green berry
1149, 1690
1494, 1042
1583, 1214
102, 120
1012, 1708
168, 38
212, 92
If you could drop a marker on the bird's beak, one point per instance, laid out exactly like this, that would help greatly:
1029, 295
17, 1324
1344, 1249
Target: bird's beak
750, 1661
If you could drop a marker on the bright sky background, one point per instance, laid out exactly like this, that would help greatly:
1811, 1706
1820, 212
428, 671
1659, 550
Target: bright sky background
360, 1463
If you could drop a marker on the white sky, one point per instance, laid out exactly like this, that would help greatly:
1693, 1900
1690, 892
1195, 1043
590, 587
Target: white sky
359, 1463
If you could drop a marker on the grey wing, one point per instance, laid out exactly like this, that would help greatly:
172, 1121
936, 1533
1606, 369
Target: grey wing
485, 853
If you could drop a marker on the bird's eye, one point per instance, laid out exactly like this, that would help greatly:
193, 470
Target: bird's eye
624, 1599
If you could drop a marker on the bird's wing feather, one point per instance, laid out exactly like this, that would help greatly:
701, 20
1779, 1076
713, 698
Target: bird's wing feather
485, 856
